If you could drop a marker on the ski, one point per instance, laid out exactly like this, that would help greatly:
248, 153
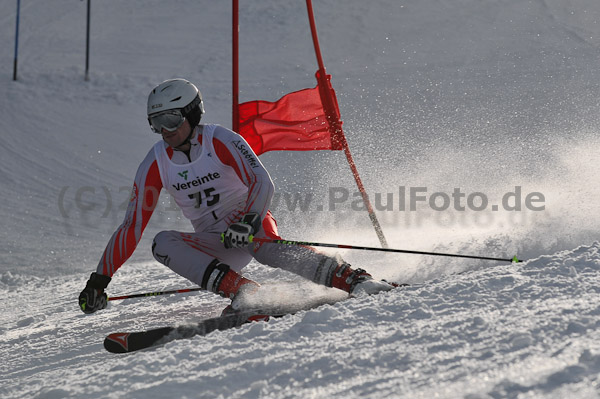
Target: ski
125, 342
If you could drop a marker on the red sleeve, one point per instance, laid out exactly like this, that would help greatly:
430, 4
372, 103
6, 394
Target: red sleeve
144, 197
226, 157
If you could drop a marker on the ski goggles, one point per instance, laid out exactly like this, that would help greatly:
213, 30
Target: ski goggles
169, 120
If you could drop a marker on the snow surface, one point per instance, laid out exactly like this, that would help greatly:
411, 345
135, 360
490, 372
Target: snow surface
481, 95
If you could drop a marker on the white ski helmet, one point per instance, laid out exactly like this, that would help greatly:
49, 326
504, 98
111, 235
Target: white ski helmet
177, 94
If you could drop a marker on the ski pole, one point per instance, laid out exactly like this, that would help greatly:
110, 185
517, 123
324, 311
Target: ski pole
118, 298
342, 246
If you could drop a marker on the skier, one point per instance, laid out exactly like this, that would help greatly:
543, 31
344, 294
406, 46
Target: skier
224, 190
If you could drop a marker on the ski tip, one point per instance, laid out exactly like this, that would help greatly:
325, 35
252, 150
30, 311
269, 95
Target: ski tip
395, 284
515, 259
117, 342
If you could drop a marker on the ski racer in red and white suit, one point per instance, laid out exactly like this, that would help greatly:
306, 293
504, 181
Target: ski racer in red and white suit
224, 190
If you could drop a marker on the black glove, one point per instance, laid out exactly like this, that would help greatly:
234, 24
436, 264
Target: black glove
239, 235
92, 297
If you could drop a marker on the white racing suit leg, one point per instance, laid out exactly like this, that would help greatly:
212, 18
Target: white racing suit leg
305, 261
189, 254
301, 260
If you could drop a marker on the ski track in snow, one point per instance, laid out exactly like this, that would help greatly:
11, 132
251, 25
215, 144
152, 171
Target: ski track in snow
484, 95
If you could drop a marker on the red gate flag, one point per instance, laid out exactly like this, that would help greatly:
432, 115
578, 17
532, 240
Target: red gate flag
303, 120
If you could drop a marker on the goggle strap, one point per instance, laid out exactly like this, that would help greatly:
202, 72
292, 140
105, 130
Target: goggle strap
191, 105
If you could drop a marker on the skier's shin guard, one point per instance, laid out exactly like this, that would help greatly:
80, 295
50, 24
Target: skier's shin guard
221, 280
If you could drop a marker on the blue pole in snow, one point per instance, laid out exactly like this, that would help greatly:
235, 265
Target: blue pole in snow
87, 43
17, 40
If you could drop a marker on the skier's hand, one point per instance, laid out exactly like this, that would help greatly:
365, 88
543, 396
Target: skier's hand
239, 235
92, 297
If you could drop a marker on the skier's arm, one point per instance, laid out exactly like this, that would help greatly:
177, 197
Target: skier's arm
234, 151
144, 197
